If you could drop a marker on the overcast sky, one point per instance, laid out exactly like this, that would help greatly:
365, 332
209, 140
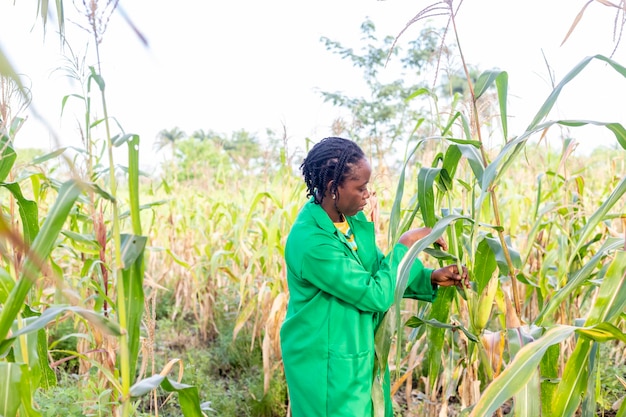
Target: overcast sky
254, 65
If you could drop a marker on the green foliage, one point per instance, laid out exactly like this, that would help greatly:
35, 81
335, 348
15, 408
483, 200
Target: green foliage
196, 157
542, 237
386, 116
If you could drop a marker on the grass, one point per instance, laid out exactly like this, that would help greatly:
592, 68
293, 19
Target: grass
227, 373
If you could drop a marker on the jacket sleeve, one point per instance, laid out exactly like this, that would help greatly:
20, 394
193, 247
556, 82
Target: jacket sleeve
418, 286
327, 266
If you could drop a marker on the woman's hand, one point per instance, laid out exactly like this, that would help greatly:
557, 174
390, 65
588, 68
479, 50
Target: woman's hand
449, 276
408, 238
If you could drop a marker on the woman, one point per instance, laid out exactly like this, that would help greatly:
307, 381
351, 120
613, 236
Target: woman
340, 285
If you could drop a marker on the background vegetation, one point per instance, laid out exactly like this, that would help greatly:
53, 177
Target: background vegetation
124, 294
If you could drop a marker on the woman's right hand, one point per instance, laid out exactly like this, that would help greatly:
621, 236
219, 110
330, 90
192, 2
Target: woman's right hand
409, 237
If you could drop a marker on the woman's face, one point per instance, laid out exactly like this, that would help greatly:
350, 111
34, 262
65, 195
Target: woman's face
352, 194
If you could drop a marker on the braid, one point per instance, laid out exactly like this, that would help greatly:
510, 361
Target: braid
329, 159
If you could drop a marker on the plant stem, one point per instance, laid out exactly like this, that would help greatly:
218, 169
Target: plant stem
117, 259
494, 200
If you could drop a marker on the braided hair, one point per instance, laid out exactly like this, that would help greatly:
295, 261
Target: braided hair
329, 159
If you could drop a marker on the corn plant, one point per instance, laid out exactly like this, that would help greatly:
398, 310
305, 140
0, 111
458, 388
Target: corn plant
512, 333
108, 264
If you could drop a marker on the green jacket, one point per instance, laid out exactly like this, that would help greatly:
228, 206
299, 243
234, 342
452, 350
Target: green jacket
336, 297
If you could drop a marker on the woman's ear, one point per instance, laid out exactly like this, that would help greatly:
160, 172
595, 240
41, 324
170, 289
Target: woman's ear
328, 193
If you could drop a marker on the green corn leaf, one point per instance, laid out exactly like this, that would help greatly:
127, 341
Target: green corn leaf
502, 84
603, 332
51, 313
527, 400
518, 372
97, 78
578, 279
549, 369
133, 276
132, 248
65, 99
475, 161
409, 258
609, 303
28, 212
48, 377
551, 100
41, 248
450, 164
485, 80
573, 383
6, 285
439, 312
588, 407
119, 140
7, 156
416, 322
7, 70
11, 382
55, 153
187, 394
133, 183
80, 237
100, 191
426, 196
598, 216
465, 125
188, 397
611, 299
501, 78
498, 251
484, 265
395, 216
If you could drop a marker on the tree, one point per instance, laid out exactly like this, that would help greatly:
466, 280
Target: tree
386, 115
243, 147
169, 137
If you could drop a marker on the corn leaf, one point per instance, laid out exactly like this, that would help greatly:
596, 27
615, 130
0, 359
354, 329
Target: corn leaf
609, 303
425, 194
133, 277
6, 285
7, 156
578, 279
518, 372
28, 212
549, 369
11, 382
41, 248
598, 216
39, 322
551, 100
133, 183
485, 80
7, 70
572, 386
187, 394
440, 312
484, 265
475, 161
527, 400
396, 208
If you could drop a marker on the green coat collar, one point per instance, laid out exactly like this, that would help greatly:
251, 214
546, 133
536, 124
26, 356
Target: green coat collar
362, 228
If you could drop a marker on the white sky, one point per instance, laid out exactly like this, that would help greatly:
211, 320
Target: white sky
252, 64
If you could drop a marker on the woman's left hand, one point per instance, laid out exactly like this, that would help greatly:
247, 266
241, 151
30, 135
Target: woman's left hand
409, 237
449, 276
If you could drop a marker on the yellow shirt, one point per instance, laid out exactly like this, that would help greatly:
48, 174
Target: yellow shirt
344, 228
